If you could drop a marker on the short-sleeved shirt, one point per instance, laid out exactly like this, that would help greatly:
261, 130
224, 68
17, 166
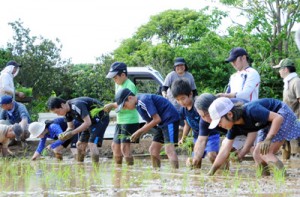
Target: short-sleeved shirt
203, 126
150, 104
255, 116
127, 116
245, 83
81, 107
170, 78
292, 94
15, 115
192, 118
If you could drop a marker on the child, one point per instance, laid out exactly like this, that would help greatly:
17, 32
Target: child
156, 111
183, 94
8, 132
276, 119
127, 120
51, 129
92, 128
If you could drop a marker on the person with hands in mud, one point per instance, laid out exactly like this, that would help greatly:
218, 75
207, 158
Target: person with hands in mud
92, 128
158, 112
277, 120
127, 120
8, 132
52, 129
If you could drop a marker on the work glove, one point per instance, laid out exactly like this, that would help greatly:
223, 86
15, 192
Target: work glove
265, 146
66, 135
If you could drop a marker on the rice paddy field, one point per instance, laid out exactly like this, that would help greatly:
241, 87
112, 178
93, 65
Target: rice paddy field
48, 177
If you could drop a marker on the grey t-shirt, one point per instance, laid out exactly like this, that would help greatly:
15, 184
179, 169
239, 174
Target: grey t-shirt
170, 78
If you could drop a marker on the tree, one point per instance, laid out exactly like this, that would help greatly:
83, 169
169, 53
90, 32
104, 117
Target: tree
271, 21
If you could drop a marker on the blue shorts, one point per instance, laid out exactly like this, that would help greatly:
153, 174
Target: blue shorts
212, 145
167, 134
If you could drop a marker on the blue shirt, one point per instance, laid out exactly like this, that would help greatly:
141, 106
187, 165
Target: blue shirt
192, 118
255, 115
15, 115
151, 104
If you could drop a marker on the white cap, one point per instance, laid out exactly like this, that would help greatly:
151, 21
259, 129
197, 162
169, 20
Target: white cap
217, 109
36, 129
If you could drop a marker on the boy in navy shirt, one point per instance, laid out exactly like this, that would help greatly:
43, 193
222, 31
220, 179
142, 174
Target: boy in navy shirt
156, 111
183, 94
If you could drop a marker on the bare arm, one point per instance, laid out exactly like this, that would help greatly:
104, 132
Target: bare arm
248, 144
199, 148
222, 156
276, 120
87, 122
185, 133
155, 121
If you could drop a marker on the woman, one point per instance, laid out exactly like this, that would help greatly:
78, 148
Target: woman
51, 129
276, 119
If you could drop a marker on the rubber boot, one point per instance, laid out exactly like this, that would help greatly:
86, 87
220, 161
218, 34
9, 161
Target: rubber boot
155, 162
58, 156
174, 164
80, 156
286, 150
265, 170
129, 161
95, 158
118, 160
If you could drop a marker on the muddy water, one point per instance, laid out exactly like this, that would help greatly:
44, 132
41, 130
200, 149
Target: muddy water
47, 177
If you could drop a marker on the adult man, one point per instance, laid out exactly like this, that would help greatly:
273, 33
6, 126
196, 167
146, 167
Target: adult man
7, 75
92, 127
14, 112
243, 84
291, 92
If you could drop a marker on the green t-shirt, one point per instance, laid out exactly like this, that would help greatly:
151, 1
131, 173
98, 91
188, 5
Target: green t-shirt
127, 116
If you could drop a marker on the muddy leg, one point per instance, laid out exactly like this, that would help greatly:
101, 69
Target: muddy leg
81, 146
264, 169
118, 159
58, 156
95, 158
155, 161
286, 150
129, 161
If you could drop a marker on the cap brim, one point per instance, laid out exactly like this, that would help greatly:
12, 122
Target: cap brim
119, 108
230, 59
111, 74
179, 63
277, 66
214, 123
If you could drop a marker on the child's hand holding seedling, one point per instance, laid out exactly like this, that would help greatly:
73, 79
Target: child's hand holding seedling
66, 135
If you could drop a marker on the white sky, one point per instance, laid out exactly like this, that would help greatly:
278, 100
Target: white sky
86, 28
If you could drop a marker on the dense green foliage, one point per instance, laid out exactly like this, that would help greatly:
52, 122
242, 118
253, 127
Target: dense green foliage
173, 33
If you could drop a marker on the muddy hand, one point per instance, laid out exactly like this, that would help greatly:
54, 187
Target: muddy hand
66, 135
108, 107
135, 137
265, 146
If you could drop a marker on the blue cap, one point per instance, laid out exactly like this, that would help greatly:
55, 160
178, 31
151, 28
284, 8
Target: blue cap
115, 68
6, 99
13, 63
235, 53
121, 97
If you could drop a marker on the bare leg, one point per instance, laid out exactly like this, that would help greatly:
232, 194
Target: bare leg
58, 152
116, 148
126, 151
81, 147
170, 150
94, 152
154, 150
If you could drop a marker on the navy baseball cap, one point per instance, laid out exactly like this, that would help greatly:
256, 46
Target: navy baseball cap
235, 53
179, 61
121, 97
6, 99
115, 68
13, 63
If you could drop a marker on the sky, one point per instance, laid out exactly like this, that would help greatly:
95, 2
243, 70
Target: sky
86, 28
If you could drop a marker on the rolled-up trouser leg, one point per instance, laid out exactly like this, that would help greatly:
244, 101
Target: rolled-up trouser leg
155, 162
129, 161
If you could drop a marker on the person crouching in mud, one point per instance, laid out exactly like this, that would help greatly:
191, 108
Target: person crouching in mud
275, 118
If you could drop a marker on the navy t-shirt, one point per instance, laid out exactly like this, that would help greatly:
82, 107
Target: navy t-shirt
192, 117
255, 116
81, 107
151, 104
